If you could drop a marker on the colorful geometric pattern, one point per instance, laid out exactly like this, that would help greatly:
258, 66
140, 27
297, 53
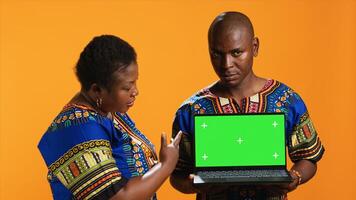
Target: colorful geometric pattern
74, 114
87, 169
90, 156
303, 142
144, 154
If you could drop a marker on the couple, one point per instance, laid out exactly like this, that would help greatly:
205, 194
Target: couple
93, 149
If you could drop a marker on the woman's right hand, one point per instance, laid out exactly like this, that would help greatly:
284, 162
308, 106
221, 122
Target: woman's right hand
169, 153
143, 187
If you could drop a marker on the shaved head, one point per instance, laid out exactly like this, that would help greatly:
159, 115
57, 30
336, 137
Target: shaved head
232, 48
228, 22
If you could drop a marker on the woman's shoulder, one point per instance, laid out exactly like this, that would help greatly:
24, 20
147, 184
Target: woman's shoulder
75, 115
74, 125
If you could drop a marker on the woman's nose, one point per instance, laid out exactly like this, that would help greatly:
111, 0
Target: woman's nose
135, 92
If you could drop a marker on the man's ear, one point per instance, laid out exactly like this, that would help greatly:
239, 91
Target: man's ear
255, 46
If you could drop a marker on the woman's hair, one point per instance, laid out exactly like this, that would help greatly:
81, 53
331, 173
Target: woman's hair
103, 56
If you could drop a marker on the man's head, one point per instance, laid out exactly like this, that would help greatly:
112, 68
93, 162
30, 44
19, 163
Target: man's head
232, 46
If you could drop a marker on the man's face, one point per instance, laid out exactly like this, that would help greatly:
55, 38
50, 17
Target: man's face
231, 54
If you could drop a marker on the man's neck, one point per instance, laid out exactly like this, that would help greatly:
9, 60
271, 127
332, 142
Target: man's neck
251, 85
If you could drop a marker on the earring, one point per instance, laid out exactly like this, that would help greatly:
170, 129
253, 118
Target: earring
99, 102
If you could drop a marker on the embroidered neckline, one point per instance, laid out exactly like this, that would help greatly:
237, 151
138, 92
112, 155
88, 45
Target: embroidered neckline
266, 87
254, 103
131, 131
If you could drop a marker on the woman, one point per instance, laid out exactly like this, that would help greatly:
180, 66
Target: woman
93, 149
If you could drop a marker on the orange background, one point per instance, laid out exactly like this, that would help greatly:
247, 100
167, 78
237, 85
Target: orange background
309, 45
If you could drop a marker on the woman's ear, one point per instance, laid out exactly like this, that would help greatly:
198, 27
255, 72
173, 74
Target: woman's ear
95, 89
255, 46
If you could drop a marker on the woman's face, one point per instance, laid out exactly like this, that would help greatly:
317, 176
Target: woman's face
123, 91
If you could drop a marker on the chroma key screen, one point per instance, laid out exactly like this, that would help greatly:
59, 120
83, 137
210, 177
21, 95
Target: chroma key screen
240, 140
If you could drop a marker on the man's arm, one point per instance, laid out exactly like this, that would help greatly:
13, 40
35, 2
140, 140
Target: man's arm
306, 168
183, 183
181, 178
302, 171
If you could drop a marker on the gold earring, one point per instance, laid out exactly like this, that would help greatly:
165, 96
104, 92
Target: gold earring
99, 102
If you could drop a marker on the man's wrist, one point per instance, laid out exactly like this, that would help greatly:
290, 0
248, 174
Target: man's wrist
298, 175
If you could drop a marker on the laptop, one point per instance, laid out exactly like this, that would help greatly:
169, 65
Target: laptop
242, 149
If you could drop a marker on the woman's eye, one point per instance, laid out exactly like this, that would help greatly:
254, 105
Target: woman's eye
215, 54
127, 88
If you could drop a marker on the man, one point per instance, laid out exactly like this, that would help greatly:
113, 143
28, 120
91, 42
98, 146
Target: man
232, 47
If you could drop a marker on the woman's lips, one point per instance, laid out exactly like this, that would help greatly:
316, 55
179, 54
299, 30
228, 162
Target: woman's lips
131, 103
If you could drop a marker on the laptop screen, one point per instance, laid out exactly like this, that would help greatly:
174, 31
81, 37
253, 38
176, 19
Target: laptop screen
240, 140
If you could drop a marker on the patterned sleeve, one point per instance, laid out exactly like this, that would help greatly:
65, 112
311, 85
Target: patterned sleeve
303, 140
183, 122
87, 167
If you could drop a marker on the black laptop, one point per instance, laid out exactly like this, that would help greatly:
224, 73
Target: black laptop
240, 149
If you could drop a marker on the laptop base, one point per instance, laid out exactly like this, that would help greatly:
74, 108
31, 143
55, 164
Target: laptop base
222, 178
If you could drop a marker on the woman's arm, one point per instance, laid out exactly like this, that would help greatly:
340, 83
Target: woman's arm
143, 187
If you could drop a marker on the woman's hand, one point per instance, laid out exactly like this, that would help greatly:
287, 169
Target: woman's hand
169, 153
143, 187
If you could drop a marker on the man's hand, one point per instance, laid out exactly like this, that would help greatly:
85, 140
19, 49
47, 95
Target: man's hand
207, 188
278, 190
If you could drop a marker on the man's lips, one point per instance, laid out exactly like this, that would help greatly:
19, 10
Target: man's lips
230, 72
230, 76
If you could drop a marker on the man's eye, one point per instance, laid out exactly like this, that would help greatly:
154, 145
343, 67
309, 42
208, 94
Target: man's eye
236, 53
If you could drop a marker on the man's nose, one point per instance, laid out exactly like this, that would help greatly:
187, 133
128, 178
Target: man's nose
227, 61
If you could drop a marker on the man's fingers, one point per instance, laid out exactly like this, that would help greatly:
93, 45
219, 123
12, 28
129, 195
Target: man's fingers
191, 176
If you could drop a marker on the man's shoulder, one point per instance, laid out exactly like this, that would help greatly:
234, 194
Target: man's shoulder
284, 88
202, 95
279, 84
282, 97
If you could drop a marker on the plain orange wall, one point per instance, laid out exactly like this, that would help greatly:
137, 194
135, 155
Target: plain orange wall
309, 45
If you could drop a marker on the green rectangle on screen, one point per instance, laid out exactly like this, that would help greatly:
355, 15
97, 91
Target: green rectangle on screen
240, 140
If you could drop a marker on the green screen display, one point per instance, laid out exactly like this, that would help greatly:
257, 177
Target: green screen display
239, 140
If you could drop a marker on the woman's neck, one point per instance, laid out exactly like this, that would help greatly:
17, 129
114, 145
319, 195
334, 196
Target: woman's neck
83, 98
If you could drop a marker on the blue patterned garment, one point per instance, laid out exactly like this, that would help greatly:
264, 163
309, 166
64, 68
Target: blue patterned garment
302, 139
90, 156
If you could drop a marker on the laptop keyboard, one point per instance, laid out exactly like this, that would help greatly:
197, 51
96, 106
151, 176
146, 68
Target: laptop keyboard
243, 173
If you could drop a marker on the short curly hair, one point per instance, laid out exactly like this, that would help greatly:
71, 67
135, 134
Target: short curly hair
103, 56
